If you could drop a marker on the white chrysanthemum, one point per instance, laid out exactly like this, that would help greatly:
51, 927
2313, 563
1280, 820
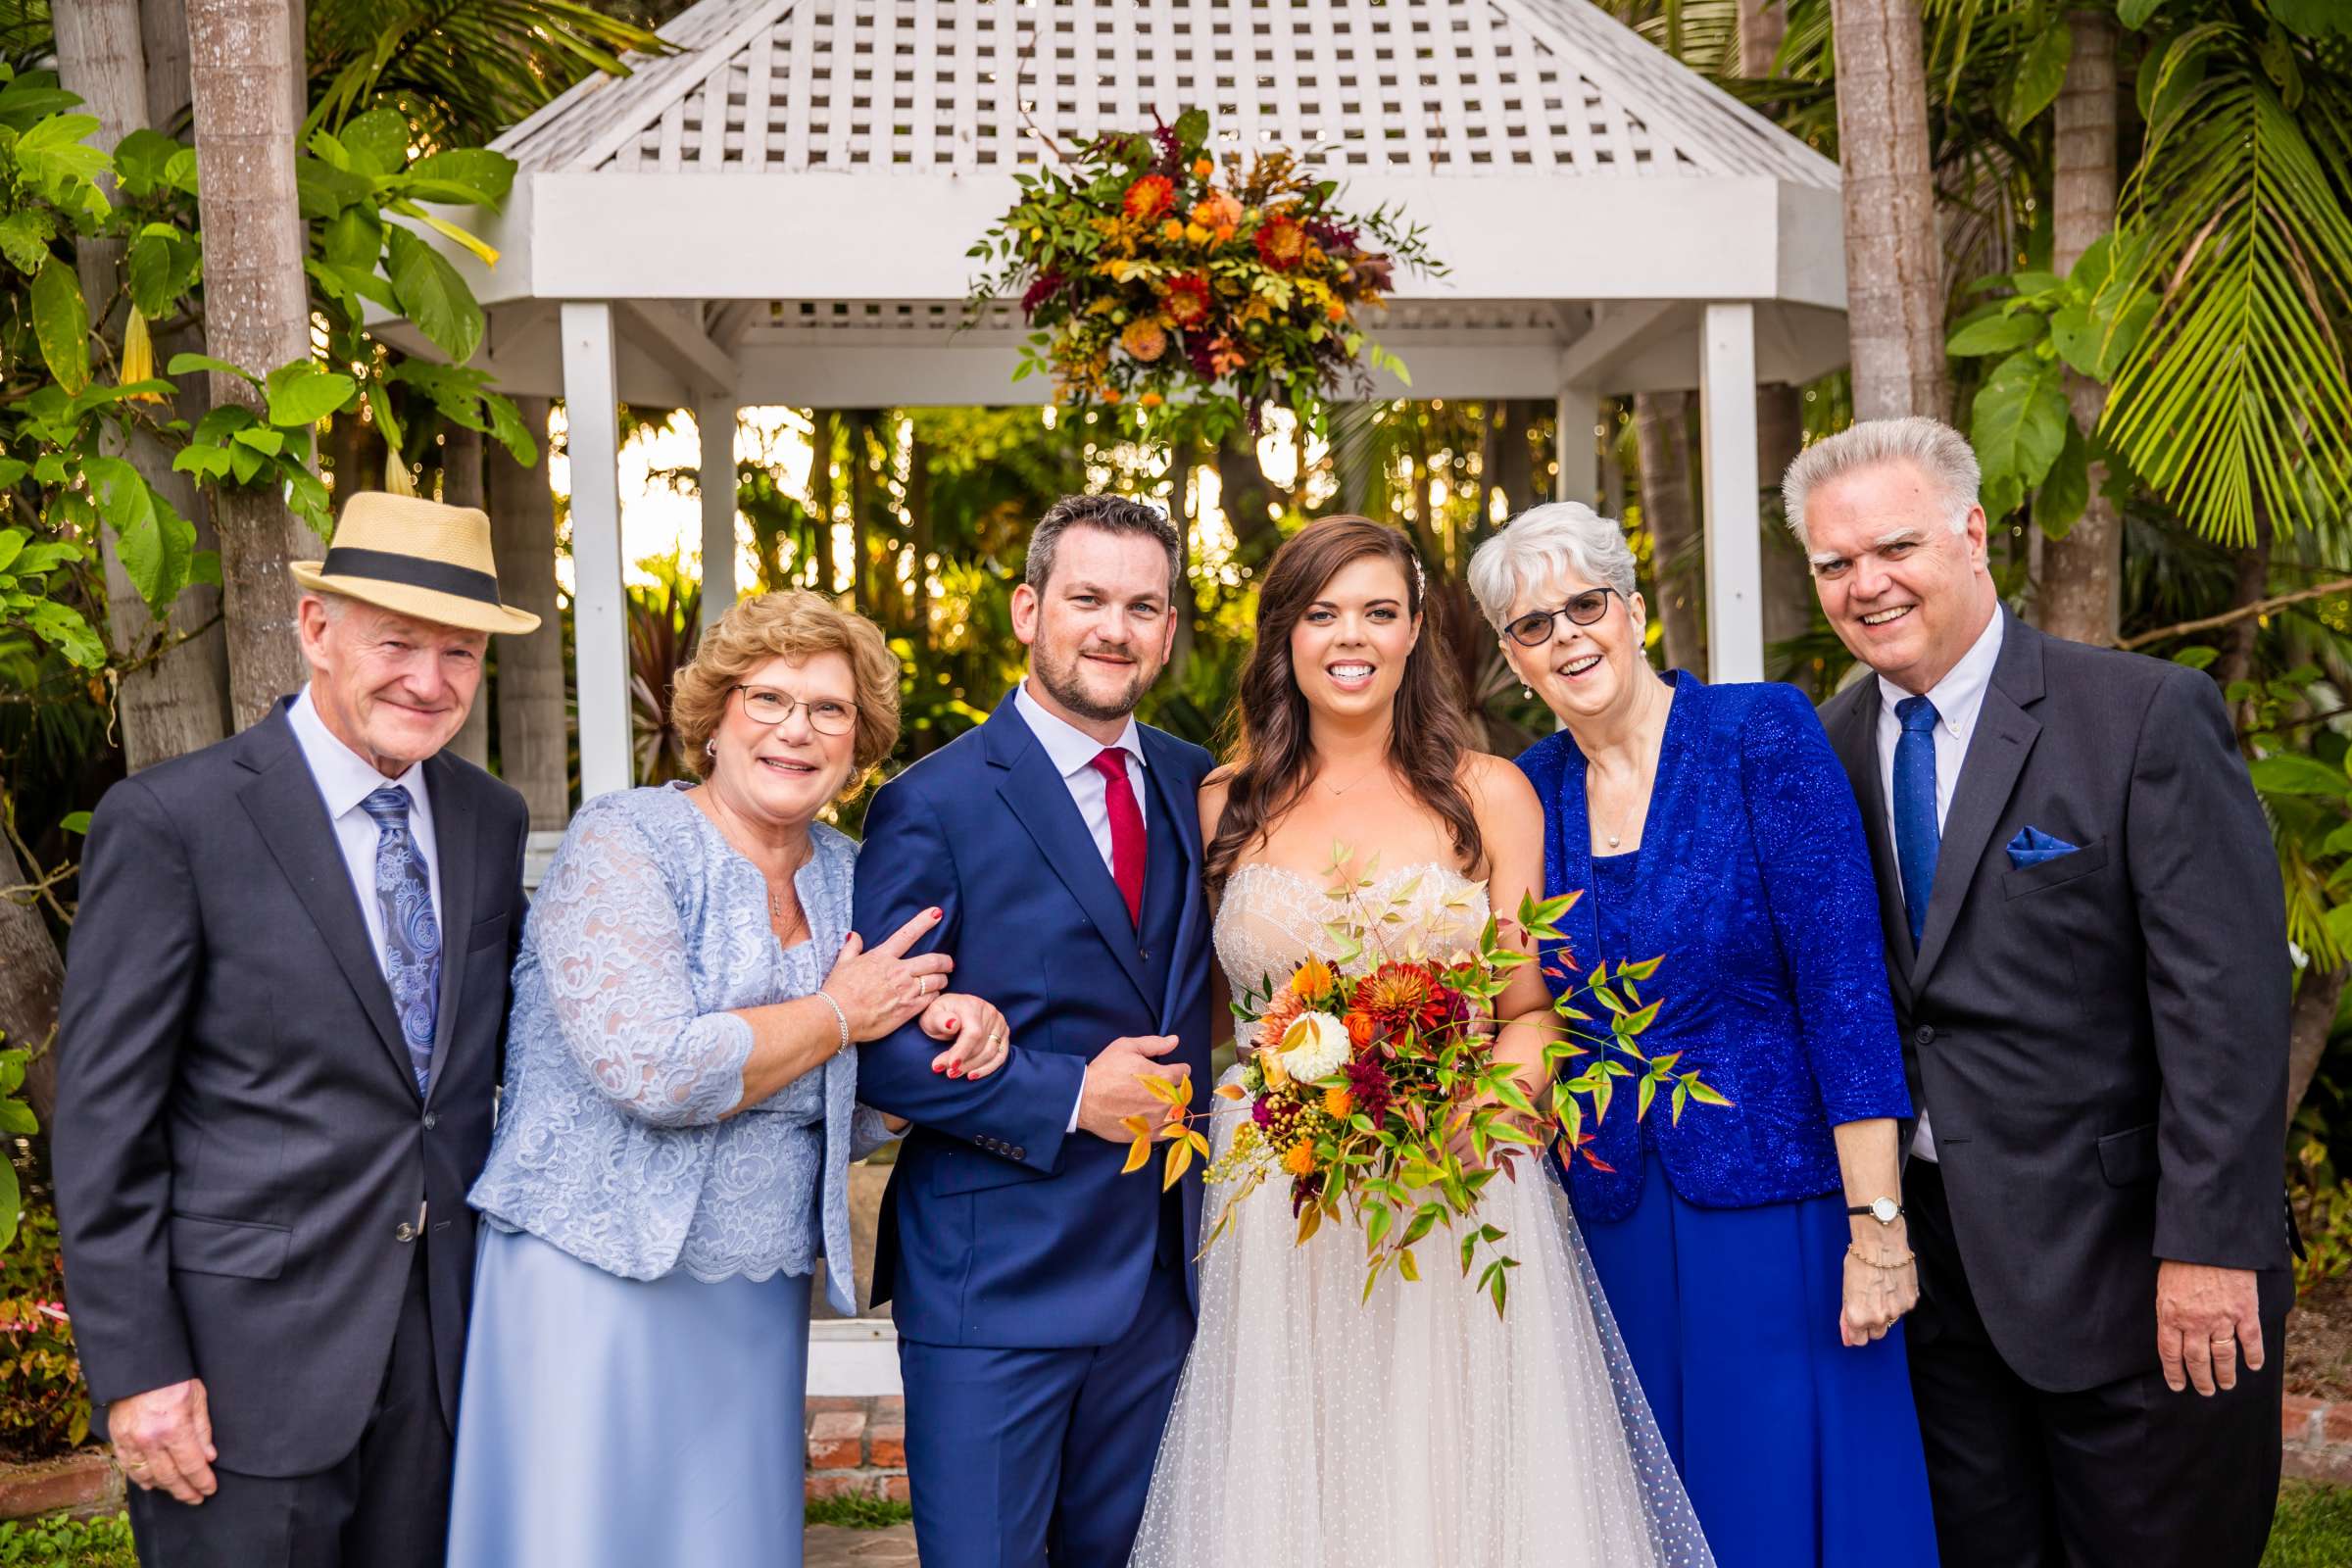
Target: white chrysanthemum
1315, 1046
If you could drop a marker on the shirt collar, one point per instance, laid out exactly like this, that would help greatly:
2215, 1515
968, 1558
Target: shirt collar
1961, 692
1070, 748
344, 777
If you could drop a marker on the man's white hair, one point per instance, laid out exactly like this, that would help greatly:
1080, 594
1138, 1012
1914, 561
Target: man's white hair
1934, 447
1559, 539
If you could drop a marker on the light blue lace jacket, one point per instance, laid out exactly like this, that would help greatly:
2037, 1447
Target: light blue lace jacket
624, 1052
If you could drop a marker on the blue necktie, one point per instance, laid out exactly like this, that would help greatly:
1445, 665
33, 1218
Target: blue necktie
1916, 837
411, 934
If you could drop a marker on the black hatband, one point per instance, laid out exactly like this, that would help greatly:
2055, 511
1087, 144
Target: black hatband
384, 566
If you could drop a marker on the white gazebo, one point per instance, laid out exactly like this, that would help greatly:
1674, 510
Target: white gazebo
780, 214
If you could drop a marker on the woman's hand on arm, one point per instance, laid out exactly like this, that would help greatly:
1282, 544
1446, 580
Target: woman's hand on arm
977, 1036
875, 990
1881, 1279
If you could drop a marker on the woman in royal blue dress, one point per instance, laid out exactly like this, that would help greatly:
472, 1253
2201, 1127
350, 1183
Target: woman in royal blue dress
1755, 1254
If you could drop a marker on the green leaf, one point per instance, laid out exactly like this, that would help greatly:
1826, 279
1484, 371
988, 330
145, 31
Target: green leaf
208, 463
2041, 75
2066, 489
2135, 13
508, 429
378, 142
24, 236
182, 363
64, 629
12, 544
353, 238
2199, 657
180, 172
489, 176
74, 823
2020, 421
16, 1119
302, 393
434, 297
2313, 18
61, 324
141, 160
2291, 774
1997, 334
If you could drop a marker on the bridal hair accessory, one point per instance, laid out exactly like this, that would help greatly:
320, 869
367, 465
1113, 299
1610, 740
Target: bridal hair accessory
1373, 1087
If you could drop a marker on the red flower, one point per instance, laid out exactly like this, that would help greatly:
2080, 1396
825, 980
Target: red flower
1149, 197
1368, 1080
1403, 996
1044, 290
1281, 242
1187, 300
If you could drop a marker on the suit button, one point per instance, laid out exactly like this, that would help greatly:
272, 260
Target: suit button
1021, 1154
1144, 953
432, 1121
404, 1231
1924, 1035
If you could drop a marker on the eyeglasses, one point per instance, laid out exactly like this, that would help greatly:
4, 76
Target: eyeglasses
1534, 629
827, 715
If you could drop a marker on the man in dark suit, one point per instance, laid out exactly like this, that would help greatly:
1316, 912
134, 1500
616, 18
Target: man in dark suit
276, 1056
1044, 1301
2086, 942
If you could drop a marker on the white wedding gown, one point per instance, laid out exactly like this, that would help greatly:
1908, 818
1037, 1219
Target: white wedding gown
1315, 1430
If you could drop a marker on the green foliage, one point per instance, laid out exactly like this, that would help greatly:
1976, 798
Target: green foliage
55, 1543
859, 1511
2313, 1528
44, 1405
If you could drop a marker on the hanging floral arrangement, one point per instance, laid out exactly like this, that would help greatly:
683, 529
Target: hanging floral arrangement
1154, 273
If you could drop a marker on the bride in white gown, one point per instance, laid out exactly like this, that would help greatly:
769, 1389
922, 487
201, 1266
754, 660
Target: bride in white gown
1312, 1428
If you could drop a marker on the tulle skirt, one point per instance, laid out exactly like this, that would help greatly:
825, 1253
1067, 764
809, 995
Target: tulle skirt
1315, 1429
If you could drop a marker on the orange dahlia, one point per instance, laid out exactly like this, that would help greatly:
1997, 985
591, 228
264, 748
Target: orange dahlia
1281, 1012
1281, 243
1149, 197
1401, 996
1145, 338
1187, 300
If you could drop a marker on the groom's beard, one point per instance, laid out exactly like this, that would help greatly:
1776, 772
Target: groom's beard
1067, 682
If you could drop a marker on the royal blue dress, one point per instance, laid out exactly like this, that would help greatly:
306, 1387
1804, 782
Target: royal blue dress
1720, 1241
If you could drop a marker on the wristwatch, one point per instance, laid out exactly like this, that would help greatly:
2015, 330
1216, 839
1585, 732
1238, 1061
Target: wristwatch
1885, 1210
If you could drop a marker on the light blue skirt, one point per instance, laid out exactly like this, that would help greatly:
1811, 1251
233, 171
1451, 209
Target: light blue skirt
612, 1423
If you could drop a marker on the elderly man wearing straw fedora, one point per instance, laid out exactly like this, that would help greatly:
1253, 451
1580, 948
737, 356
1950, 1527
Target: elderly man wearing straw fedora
279, 1042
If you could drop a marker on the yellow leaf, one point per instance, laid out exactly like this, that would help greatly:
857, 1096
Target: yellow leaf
1231, 1091
479, 247
1309, 1222
1138, 1154
1180, 1160
1406, 1266
1138, 1124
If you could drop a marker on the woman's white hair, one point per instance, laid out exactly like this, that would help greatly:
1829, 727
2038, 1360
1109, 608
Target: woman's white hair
1939, 450
1543, 544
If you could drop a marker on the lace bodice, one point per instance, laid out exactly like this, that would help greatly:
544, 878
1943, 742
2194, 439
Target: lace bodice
1272, 917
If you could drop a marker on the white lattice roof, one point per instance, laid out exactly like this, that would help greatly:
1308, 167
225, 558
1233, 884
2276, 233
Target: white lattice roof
1427, 88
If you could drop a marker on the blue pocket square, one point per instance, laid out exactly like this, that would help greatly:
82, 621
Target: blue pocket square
2032, 846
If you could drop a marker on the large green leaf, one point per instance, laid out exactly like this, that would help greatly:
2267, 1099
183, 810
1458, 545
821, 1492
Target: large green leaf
1995, 334
2290, 774
141, 161
434, 297
377, 142
61, 321
2021, 419
2039, 74
304, 393
2066, 489
24, 236
486, 174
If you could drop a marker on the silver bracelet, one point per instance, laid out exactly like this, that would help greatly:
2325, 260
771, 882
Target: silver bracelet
840, 1017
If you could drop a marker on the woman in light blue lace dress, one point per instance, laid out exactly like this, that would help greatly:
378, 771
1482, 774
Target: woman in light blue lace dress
678, 1117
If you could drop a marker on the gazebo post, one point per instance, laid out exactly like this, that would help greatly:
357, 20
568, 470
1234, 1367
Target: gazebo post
1576, 410
1727, 394
599, 600
714, 426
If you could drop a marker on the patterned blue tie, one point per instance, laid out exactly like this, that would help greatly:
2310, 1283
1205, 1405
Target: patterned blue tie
1916, 837
411, 936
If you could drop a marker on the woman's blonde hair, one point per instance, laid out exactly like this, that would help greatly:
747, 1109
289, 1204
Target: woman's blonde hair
798, 625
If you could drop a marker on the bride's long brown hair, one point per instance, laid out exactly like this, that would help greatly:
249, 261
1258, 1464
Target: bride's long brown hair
1270, 758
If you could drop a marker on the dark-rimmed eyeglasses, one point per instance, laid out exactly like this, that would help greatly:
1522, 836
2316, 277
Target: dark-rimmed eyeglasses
1534, 629
827, 715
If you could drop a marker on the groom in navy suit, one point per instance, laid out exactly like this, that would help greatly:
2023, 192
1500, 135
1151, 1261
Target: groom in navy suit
1044, 1301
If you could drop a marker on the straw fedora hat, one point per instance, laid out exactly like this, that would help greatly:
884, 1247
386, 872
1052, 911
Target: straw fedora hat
417, 558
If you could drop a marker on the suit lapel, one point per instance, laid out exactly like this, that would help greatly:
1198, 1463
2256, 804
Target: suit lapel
284, 802
1996, 754
456, 833
1855, 738
1039, 799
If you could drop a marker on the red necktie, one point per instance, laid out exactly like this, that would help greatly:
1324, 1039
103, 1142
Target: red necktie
1126, 830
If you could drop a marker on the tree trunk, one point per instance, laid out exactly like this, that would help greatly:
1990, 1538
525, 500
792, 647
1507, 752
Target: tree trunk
1893, 259
1612, 461
1514, 462
461, 487
2319, 995
1787, 580
919, 530
177, 700
1762, 27
865, 577
534, 739
1662, 431
2252, 584
32, 976
257, 315
2082, 591
822, 425
163, 32
1245, 498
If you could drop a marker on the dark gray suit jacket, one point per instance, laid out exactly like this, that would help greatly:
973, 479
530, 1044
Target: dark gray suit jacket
2100, 1039
238, 1140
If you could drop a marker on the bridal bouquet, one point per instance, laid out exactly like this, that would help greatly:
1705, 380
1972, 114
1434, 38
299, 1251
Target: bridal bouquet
1374, 1090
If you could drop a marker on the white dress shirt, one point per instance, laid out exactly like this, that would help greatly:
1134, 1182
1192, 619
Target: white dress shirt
1958, 699
345, 778
1072, 751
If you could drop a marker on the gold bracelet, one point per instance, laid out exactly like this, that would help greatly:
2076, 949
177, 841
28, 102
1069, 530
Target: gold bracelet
1904, 1261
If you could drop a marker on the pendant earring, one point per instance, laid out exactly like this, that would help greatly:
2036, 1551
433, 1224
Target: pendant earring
1527, 691
711, 748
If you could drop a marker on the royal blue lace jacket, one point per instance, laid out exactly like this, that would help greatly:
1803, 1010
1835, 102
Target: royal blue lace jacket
624, 1052
1756, 887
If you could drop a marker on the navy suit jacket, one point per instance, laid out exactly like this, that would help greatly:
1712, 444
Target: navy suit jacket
1755, 886
998, 1227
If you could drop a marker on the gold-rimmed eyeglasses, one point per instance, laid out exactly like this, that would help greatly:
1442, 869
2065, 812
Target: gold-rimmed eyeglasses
1534, 629
827, 715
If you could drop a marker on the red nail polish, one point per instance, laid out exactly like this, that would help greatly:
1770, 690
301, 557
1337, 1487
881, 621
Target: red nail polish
935, 1067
